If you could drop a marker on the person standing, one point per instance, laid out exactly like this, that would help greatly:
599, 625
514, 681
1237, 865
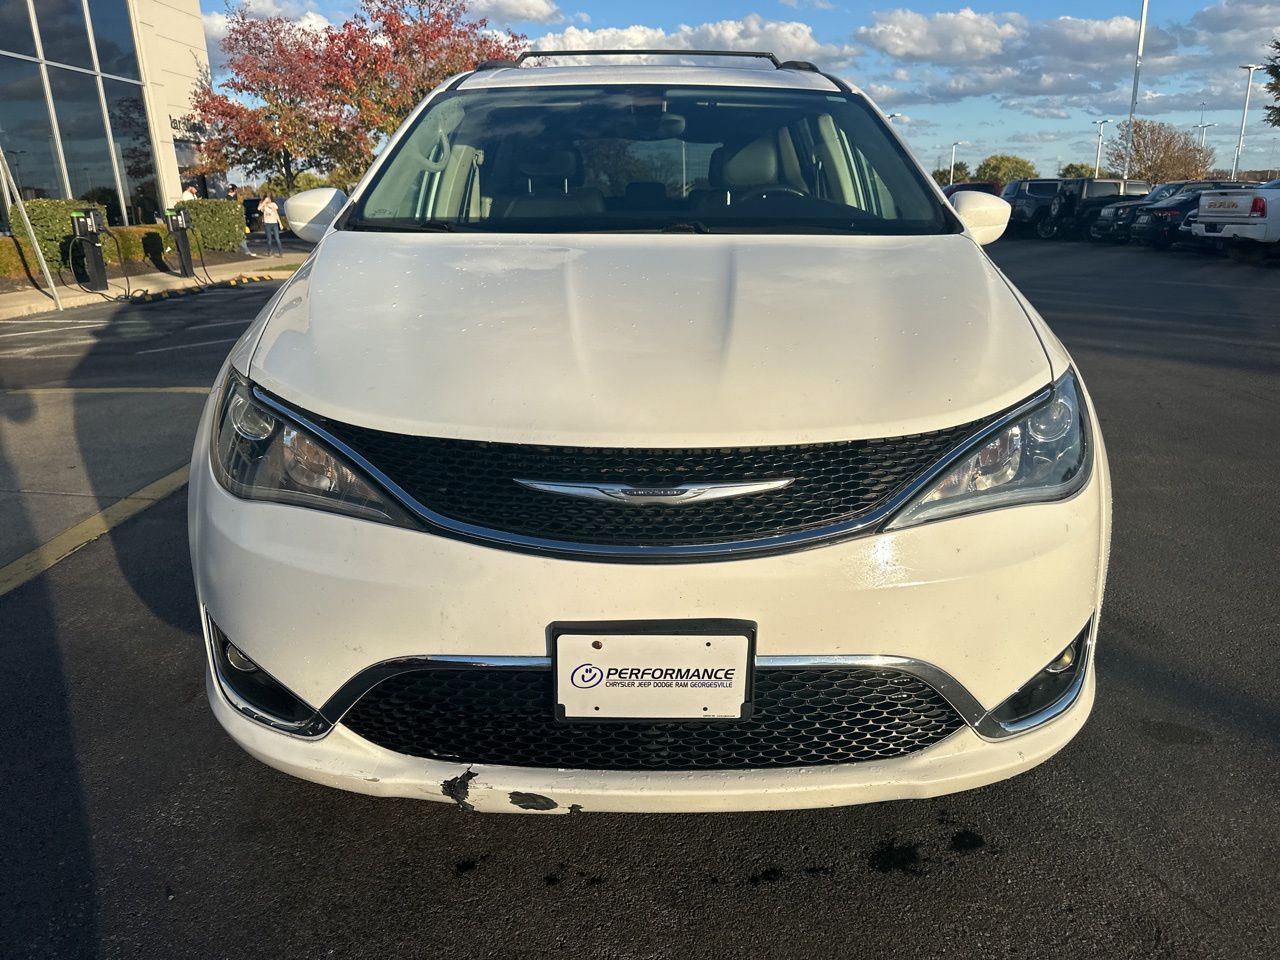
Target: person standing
190, 193
233, 194
271, 222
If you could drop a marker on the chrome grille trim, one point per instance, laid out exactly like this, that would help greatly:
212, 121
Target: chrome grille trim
868, 523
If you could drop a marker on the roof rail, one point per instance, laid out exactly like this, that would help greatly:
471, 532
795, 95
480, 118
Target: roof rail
495, 64
804, 65
755, 55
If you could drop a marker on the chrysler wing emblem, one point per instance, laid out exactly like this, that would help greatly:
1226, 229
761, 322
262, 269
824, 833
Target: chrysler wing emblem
648, 496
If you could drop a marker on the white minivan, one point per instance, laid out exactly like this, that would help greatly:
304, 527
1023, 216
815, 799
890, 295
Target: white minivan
649, 438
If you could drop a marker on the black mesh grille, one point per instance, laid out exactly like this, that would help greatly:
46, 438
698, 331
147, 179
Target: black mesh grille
801, 718
474, 482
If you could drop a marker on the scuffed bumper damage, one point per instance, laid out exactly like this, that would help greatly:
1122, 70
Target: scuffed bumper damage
961, 762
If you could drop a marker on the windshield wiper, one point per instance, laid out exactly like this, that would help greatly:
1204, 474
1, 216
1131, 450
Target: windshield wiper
690, 226
402, 226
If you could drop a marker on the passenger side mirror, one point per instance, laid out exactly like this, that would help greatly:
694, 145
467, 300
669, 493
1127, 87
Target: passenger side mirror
983, 215
310, 212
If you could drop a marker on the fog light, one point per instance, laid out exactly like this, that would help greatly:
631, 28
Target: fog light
1046, 688
271, 701
239, 660
1064, 662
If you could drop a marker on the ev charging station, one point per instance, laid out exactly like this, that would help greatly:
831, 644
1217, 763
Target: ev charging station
87, 227
178, 223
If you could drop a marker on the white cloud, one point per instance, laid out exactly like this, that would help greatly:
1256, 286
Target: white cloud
517, 11
1240, 28
313, 21
960, 37
1062, 66
215, 24
789, 39
815, 4
215, 28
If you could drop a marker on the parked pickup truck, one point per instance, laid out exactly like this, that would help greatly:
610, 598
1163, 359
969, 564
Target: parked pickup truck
1249, 220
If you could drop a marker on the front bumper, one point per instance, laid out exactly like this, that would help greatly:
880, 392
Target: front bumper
316, 599
1108, 229
963, 761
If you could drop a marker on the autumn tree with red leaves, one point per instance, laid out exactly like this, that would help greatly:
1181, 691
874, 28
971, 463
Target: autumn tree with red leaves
388, 57
299, 98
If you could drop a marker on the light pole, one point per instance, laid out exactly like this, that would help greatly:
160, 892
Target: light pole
892, 116
1133, 99
1204, 129
1097, 161
1244, 117
953, 162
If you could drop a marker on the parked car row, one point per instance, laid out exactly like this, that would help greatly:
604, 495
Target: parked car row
1243, 218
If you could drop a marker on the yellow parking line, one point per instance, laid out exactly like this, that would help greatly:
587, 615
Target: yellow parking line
31, 565
68, 390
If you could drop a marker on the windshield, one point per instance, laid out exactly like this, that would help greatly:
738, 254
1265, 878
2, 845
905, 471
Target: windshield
689, 159
1161, 192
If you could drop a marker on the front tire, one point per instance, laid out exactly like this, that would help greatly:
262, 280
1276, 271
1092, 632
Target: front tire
1046, 228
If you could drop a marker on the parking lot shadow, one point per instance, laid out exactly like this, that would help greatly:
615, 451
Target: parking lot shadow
46, 859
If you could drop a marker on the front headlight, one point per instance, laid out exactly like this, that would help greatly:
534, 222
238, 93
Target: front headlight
259, 455
1043, 456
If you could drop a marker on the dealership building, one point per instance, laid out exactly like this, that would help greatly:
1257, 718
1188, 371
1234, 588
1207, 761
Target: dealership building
93, 100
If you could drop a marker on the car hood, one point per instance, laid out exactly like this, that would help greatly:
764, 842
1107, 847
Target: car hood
649, 340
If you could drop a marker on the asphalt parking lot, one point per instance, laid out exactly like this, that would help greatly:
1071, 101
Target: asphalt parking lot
130, 826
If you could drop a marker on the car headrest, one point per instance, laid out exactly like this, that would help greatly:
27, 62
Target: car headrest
754, 165
646, 191
549, 163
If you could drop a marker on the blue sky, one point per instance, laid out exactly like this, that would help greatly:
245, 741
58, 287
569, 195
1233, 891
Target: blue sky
1009, 77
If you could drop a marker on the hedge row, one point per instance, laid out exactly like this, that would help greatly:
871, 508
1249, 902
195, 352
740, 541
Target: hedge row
51, 221
11, 260
219, 225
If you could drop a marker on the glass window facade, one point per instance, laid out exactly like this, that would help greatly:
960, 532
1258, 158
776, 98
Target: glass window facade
93, 142
113, 38
85, 147
63, 32
15, 28
128, 117
25, 131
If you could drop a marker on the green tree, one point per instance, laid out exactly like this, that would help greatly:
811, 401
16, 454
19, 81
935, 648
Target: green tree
1071, 170
1272, 68
943, 174
1003, 167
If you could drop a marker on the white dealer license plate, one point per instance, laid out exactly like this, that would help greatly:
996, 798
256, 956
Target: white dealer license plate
652, 676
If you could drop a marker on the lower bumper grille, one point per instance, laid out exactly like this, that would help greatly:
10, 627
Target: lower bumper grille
801, 718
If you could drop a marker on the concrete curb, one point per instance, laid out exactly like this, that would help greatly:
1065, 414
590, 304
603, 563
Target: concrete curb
188, 291
16, 306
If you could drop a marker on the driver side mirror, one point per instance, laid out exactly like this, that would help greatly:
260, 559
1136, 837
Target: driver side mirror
310, 212
983, 215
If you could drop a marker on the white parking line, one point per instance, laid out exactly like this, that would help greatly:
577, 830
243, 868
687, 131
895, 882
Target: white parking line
29, 351
220, 323
186, 346
80, 325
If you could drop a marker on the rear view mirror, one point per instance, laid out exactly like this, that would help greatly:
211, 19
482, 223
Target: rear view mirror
983, 215
310, 212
